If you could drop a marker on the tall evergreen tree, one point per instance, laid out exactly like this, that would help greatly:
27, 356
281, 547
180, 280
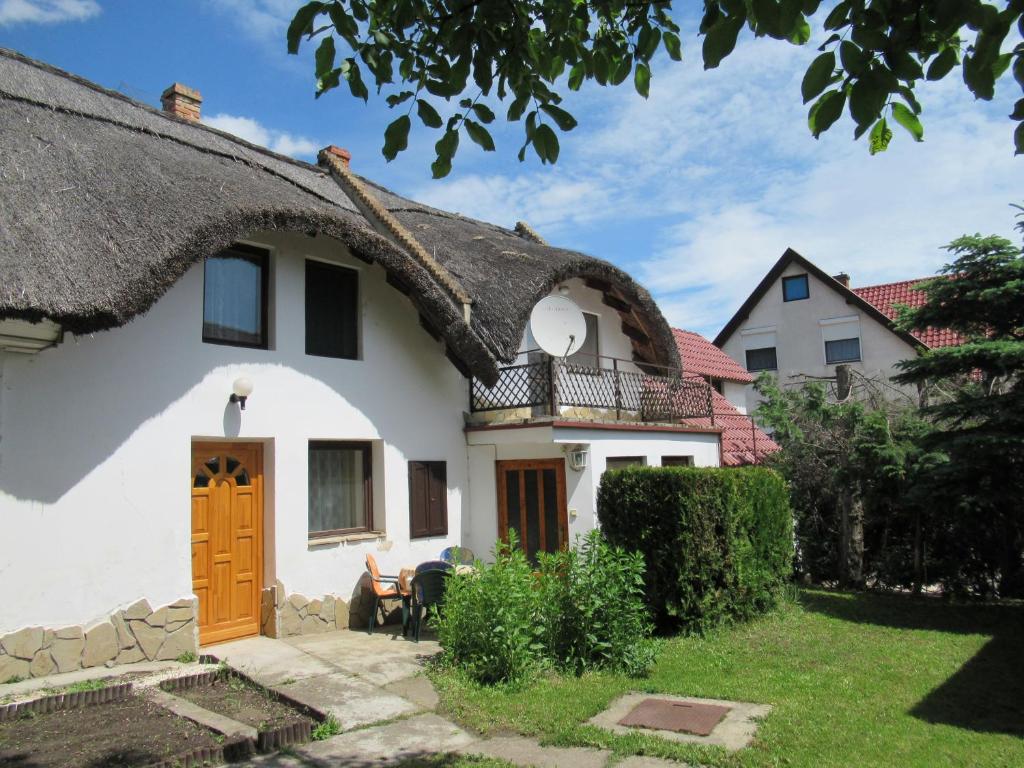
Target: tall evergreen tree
980, 489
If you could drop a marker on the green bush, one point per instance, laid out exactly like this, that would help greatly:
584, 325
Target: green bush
490, 625
718, 543
594, 614
583, 609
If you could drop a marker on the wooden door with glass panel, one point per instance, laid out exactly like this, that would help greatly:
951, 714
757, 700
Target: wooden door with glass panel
227, 541
531, 502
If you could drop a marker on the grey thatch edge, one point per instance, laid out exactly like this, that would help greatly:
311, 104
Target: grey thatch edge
117, 95
67, 700
429, 298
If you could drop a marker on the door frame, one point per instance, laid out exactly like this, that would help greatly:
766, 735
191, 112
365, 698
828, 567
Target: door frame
558, 465
198, 446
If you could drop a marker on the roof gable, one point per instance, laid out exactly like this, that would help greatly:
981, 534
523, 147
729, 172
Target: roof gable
792, 257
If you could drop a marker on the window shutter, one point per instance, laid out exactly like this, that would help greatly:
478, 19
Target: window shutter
428, 498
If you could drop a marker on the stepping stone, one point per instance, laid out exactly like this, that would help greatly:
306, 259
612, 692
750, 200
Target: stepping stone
528, 752
354, 702
734, 731
269, 661
638, 761
381, 658
419, 690
386, 745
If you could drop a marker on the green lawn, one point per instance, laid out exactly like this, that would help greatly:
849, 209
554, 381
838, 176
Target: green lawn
855, 680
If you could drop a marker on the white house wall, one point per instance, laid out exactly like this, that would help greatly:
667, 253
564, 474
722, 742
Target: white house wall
799, 340
95, 448
489, 446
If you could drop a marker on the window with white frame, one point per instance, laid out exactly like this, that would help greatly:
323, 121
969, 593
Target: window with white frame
841, 339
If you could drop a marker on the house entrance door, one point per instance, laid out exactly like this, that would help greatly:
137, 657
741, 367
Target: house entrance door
227, 540
531, 502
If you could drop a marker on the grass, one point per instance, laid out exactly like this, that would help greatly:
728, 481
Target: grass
853, 679
329, 727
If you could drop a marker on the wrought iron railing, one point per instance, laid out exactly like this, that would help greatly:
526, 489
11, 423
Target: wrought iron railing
610, 385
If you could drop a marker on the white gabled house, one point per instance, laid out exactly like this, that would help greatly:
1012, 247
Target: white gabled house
227, 376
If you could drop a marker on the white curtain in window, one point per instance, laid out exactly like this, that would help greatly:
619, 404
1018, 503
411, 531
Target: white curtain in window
336, 489
232, 301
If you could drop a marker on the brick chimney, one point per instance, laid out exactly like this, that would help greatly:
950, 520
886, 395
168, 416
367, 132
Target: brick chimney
182, 101
843, 278
343, 154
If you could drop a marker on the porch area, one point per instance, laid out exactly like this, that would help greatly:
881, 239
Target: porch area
594, 388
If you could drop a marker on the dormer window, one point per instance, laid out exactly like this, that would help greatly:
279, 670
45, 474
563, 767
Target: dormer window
795, 288
235, 297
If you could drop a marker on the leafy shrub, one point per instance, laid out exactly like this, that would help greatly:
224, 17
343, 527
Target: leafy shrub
594, 614
717, 543
584, 609
490, 624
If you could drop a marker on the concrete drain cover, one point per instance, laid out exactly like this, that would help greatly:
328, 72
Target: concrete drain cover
681, 717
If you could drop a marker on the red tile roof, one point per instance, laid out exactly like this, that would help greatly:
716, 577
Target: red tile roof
703, 358
888, 296
742, 442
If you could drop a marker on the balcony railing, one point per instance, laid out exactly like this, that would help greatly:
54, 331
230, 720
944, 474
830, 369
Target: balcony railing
610, 386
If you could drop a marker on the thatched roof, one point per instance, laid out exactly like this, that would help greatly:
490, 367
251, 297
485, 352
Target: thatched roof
106, 202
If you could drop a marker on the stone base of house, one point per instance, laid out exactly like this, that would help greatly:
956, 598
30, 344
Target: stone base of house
137, 633
284, 615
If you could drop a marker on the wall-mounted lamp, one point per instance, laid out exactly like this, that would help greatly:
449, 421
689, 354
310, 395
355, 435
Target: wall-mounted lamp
578, 455
564, 290
240, 391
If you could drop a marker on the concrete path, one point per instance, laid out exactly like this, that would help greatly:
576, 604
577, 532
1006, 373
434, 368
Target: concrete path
374, 686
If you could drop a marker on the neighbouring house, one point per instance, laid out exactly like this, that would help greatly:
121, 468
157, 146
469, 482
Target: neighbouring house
743, 442
227, 376
800, 323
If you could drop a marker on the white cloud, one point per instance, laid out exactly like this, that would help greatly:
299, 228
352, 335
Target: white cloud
718, 170
253, 131
46, 11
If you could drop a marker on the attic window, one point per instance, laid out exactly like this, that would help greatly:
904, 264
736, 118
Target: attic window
235, 297
795, 288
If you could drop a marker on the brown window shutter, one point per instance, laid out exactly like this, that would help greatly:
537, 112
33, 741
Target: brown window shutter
428, 499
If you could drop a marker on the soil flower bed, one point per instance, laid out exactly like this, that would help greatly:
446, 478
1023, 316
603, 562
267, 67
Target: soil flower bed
241, 700
122, 734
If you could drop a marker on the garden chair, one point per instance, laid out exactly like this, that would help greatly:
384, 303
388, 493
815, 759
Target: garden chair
427, 591
458, 555
384, 588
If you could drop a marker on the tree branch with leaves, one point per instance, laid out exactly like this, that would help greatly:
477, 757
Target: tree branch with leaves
527, 53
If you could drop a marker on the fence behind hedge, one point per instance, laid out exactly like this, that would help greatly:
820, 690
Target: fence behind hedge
717, 543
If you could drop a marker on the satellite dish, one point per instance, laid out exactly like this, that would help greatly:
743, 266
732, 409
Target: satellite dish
558, 326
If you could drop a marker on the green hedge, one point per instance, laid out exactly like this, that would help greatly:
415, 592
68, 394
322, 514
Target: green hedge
717, 543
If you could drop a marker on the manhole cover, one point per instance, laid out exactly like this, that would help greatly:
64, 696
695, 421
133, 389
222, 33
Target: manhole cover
682, 717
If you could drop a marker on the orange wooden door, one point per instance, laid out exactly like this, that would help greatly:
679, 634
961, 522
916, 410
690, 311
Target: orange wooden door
531, 501
227, 540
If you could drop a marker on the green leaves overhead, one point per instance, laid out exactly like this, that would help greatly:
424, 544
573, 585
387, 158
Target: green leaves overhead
454, 63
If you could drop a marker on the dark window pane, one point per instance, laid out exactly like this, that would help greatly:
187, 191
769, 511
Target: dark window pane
532, 541
338, 478
622, 462
677, 461
235, 297
795, 288
232, 465
551, 541
842, 351
201, 481
242, 478
332, 303
213, 465
762, 359
512, 499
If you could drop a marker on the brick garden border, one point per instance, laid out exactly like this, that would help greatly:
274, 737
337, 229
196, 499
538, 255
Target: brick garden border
228, 752
67, 700
268, 739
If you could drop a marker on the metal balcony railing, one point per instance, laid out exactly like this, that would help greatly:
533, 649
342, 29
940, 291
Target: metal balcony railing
609, 385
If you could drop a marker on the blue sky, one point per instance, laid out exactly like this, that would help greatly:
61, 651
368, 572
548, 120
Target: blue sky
696, 191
